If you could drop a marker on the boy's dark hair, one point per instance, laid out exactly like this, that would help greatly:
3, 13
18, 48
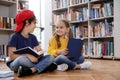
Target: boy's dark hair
33, 18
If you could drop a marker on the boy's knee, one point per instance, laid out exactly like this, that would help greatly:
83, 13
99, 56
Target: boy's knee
50, 57
22, 59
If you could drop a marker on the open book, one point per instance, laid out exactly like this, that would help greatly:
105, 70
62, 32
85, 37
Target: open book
74, 47
29, 50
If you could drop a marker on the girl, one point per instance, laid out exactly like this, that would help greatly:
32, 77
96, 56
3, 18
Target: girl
26, 64
58, 44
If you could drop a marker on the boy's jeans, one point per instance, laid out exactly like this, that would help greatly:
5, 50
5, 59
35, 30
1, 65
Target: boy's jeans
24, 61
71, 64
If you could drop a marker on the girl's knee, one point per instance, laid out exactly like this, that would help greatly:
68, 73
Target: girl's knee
62, 57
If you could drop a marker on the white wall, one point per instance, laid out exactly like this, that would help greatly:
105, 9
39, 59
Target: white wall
45, 18
35, 6
117, 28
46, 21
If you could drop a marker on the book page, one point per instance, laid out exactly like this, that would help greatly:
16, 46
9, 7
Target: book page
41, 52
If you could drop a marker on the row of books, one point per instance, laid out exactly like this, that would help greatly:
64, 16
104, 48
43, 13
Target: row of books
102, 29
73, 2
74, 15
56, 17
59, 4
99, 48
6, 22
79, 31
101, 10
80, 14
96, 11
85, 48
64, 3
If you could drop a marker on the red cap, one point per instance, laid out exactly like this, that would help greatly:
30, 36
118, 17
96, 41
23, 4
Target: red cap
20, 17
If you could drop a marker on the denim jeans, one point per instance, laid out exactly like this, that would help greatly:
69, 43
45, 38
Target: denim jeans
24, 61
71, 64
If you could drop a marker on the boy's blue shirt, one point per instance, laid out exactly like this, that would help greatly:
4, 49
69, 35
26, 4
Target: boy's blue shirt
18, 41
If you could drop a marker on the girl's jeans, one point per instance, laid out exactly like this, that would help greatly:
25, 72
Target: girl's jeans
24, 61
71, 64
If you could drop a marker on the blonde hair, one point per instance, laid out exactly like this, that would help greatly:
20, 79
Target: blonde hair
69, 35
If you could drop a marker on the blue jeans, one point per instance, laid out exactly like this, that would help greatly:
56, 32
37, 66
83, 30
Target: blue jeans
71, 64
24, 61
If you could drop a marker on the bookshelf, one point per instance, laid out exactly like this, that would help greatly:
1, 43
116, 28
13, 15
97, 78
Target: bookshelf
8, 11
92, 20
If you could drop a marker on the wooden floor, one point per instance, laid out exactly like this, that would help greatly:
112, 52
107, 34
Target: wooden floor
100, 70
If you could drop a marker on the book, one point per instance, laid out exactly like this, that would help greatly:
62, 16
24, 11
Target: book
74, 47
7, 78
6, 73
29, 50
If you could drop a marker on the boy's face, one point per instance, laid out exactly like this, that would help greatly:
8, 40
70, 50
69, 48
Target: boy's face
32, 26
61, 29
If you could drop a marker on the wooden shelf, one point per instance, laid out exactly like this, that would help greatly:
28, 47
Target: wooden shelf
59, 9
7, 3
79, 5
84, 21
11, 30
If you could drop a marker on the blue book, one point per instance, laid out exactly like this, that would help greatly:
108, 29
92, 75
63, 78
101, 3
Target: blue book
74, 47
29, 50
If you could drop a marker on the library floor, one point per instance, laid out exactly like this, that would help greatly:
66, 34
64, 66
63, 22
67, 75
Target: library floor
100, 70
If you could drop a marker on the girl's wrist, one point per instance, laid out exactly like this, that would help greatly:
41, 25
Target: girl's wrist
58, 52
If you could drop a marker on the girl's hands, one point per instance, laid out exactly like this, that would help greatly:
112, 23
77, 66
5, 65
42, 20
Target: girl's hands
82, 51
62, 52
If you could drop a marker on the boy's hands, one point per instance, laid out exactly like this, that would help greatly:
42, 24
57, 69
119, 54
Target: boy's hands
32, 58
62, 52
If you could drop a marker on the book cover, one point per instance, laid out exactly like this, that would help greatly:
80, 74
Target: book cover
7, 78
29, 50
74, 47
6, 73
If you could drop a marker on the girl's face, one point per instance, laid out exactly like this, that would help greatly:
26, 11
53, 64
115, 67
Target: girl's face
61, 29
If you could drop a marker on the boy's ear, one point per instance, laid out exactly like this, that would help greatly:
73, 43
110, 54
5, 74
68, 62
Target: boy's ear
26, 22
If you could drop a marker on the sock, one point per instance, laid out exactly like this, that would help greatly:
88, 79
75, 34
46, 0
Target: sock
52, 67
